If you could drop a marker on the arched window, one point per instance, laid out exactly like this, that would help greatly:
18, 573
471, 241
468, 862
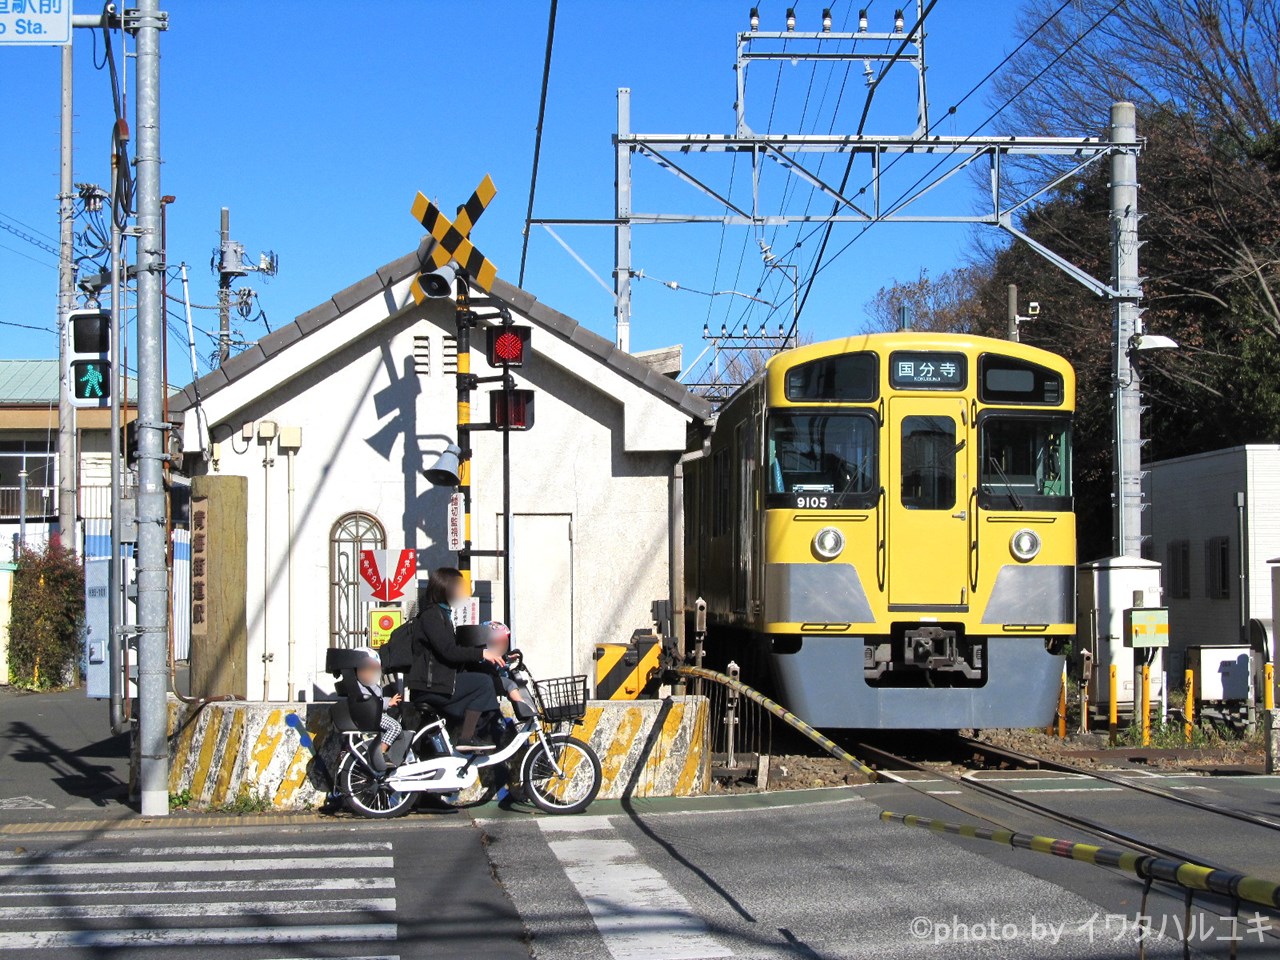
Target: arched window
351, 534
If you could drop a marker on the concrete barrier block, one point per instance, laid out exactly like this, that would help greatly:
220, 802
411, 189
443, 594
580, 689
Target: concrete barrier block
1271, 719
649, 748
223, 753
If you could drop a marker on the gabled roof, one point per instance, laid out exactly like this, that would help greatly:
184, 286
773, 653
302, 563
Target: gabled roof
399, 270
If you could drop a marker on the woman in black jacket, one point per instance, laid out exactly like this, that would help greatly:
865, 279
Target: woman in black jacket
438, 675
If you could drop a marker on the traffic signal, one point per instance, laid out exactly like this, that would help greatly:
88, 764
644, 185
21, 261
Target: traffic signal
511, 409
89, 357
508, 345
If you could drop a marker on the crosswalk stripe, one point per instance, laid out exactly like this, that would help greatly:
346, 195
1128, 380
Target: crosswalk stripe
204, 851
344, 864
638, 914
199, 886
229, 908
193, 936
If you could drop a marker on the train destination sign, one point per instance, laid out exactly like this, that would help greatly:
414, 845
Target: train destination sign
927, 370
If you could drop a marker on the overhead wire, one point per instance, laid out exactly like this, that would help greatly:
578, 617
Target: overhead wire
537, 138
818, 267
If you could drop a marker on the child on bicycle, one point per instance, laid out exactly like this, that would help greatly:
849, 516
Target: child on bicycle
499, 642
369, 684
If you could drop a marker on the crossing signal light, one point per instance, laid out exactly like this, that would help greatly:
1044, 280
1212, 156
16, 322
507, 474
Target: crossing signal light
89, 357
511, 409
508, 345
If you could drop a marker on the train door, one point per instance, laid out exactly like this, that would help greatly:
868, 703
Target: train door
928, 530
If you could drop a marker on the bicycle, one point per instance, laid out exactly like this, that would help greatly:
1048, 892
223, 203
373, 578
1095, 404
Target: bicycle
558, 772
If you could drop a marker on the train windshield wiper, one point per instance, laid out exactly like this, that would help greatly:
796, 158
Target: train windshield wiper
1009, 491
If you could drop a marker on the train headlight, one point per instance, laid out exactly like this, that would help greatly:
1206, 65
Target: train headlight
828, 543
1025, 544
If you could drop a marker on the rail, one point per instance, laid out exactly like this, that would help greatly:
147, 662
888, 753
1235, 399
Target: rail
782, 713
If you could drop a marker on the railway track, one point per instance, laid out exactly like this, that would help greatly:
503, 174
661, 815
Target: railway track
963, 751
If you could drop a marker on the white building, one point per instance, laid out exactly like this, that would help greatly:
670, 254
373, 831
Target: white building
1198, 506
367, 376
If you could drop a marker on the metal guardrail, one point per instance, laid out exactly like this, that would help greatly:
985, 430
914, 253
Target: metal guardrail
1184, 874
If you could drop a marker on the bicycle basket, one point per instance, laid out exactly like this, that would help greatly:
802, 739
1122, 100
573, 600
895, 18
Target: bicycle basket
563, 698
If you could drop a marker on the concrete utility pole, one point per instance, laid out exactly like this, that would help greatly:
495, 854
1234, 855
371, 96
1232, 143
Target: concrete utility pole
1126, 326
153, 580
224, 290
67, 472
1013, 312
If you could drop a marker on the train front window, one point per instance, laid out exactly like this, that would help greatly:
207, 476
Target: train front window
1025, 463
822, 460
929, 451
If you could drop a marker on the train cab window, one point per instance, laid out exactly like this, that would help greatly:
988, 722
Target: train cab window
929, 452
822, 460
845, 377
1006, 380
1025, 463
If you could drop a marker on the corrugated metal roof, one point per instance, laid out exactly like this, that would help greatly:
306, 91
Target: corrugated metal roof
28, 381
35, 383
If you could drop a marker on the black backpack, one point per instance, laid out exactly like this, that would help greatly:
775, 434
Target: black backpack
397, 652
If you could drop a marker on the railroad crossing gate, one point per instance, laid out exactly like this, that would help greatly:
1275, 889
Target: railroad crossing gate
451, 238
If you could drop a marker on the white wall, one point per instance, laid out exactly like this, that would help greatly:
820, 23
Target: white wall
1194, 499
356, 409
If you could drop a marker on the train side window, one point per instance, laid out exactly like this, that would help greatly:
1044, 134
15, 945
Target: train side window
929, 463
1007, 380
720, 493
845, 377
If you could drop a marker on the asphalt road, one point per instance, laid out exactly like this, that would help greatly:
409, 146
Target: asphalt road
806, 875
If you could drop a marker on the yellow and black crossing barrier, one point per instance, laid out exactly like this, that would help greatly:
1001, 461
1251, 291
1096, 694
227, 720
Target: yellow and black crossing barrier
1189, 876
783, 714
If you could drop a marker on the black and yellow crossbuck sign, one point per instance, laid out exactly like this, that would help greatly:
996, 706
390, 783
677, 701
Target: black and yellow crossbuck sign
451, 238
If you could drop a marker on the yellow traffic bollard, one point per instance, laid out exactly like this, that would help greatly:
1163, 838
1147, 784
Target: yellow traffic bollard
1113, 711
1146, 704
1189, 703
1268, 686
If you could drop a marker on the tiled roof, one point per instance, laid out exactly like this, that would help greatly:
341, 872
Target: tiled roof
397, 270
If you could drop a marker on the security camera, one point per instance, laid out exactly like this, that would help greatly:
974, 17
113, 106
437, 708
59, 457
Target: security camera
1033, 308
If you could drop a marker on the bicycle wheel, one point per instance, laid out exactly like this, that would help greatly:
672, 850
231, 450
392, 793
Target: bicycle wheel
367, 794
571, 792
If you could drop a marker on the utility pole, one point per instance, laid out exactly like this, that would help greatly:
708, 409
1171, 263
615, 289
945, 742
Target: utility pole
622, 225
67, 466
153, 580
224, 290
1126, 326
1013, 312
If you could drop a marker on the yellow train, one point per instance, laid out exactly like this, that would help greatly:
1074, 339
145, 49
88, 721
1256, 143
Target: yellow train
885, 524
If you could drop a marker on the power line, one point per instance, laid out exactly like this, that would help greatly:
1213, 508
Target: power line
26, 326
818, 266
537, 137
22, 223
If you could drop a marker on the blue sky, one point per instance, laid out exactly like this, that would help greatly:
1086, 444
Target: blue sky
317, 122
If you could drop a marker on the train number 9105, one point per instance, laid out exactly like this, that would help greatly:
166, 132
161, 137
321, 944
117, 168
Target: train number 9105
812, 503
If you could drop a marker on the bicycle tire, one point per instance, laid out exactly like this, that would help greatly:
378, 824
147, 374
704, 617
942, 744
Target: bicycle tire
546, 790
366, 795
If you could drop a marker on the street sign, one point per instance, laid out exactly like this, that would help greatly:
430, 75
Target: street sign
384, 574
455, 523
382, 622
451, 237
35, 22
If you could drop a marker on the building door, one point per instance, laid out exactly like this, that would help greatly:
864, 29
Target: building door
928, 496
542, 591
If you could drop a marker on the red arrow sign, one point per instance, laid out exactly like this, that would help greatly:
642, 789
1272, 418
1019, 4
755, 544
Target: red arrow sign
388, 587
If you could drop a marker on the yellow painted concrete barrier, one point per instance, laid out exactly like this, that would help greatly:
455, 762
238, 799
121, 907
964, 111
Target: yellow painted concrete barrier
263, 755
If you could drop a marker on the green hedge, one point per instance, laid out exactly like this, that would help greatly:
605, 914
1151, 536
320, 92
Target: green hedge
46, 624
